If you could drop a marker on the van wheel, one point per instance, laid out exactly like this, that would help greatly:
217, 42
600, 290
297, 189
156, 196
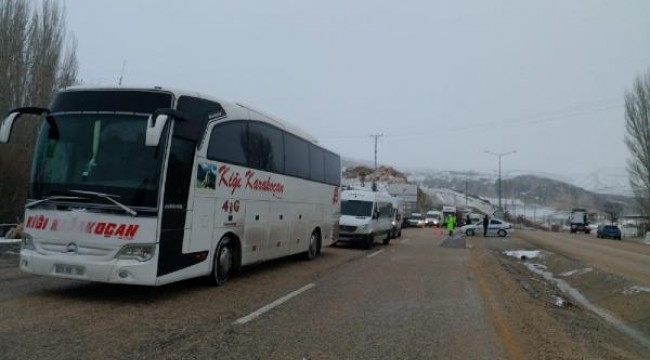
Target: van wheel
502, 233
399, 233
389, 235
223, 261
370, 241
312, 251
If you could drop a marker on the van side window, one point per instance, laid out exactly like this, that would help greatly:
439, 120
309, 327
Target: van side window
385, 209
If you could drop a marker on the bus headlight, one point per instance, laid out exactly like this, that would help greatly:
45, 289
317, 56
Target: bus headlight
137, 252
27, 242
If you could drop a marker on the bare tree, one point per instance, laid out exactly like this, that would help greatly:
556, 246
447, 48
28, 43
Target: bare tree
613, 210
637, 139
37, 58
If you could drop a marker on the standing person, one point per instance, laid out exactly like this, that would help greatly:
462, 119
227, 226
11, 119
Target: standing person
486, 222
451, 224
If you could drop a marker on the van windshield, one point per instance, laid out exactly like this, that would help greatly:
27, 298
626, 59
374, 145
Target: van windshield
356, 208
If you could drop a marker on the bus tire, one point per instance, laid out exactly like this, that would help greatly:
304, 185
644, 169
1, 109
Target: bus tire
312, 250
224, 261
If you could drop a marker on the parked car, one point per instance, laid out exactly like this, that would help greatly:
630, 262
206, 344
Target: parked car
496, 228
608, 232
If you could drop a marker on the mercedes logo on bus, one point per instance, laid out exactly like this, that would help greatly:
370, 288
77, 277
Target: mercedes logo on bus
71, 248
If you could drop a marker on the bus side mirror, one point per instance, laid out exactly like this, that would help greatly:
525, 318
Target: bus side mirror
6, 126
8, 122
156, 124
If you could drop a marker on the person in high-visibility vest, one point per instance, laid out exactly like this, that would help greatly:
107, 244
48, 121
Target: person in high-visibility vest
450, 223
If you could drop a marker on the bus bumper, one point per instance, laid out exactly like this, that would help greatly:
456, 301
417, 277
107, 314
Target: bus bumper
81, 267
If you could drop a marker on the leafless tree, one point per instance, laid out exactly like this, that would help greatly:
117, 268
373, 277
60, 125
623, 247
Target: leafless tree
637, 139
613, 210
37, 58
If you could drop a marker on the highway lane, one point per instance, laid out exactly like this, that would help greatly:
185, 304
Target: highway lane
424, 296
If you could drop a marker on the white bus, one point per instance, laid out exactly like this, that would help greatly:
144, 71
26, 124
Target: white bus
151, 186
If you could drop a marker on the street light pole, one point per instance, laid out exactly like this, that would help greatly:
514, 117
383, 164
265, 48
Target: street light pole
500, 155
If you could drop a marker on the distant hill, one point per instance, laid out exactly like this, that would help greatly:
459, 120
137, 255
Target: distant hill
529, 189
550, 191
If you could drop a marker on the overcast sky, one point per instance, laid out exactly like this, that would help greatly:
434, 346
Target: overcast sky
443, 81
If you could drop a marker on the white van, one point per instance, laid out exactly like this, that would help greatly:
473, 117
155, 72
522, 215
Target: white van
433, 218
366, 216
397, 218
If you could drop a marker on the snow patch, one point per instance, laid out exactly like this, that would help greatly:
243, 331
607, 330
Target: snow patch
576, 272
522, 254
636, 289
582, 300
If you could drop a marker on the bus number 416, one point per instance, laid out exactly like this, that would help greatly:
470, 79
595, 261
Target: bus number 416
230, 206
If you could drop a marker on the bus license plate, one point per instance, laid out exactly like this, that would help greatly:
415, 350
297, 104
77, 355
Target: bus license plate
68, 269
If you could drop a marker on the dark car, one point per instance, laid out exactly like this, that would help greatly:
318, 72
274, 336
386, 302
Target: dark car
608, 232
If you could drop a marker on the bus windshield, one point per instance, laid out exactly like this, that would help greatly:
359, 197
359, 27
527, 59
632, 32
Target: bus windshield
356, 208
102, 152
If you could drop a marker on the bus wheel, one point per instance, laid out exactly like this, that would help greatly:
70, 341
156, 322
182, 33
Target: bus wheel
312, 251
223, 261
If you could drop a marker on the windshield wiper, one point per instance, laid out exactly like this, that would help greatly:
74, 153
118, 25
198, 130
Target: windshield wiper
53, 198
108, 197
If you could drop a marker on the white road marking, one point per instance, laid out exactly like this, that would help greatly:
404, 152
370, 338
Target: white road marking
405, 241
376, 253
268, 307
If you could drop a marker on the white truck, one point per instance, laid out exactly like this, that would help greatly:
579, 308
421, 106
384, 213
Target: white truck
366, 216
578, 221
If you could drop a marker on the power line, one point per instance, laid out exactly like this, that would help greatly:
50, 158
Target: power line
557, 115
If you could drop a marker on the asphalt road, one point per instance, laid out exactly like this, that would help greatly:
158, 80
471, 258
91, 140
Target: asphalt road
424, 296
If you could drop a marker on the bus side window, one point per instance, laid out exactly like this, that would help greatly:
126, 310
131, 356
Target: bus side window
228, 143
265, 150
296, 155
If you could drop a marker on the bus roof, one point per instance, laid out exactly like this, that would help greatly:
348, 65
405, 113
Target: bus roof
234, 110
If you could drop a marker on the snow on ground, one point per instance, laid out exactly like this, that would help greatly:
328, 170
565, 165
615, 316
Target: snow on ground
449, 197
576, 272
528, 254
636, 289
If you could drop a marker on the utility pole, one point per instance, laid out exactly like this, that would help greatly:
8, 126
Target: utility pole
466, 207
374, 184
376, 136
500, 155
